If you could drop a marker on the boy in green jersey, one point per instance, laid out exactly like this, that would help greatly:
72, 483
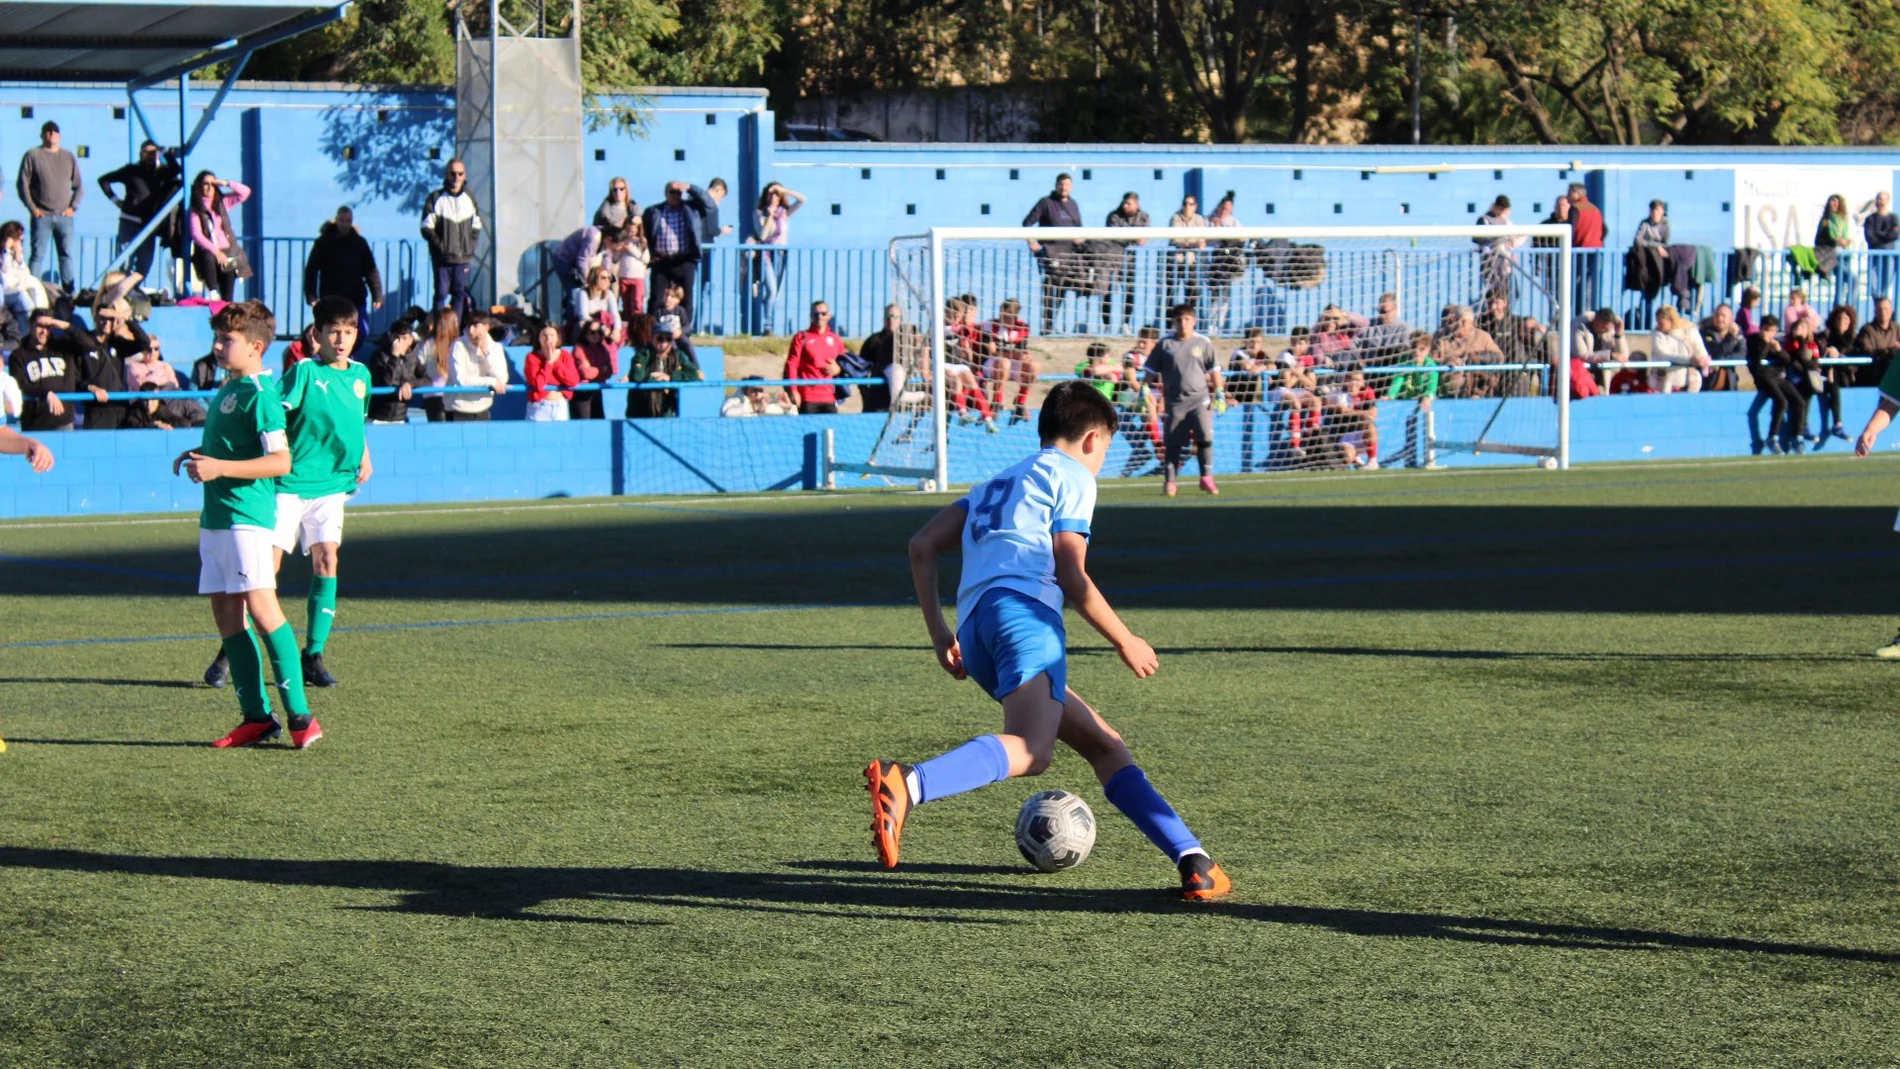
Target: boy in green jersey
1876, 423
243, 453
326, 405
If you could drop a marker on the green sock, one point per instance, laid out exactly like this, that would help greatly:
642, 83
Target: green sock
247, 675
288, 667
322, 610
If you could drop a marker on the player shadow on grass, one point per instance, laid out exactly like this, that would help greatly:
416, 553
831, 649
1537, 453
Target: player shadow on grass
169, 684
959, 894
1328, 651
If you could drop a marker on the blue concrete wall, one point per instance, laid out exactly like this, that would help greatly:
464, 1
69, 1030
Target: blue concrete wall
129, 471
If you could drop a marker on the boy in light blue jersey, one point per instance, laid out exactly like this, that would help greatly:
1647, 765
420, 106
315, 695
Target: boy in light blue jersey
1024, 538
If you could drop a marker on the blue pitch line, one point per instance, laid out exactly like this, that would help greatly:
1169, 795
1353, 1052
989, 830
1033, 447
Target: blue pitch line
1544, 487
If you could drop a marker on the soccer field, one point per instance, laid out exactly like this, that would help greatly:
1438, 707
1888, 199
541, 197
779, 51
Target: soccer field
1510, 769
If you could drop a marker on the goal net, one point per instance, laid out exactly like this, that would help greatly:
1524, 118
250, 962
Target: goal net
1338, 348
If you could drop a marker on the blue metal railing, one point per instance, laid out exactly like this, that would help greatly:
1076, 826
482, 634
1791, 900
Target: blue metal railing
754, 290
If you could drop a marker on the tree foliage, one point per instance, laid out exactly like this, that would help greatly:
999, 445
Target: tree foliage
1579, 71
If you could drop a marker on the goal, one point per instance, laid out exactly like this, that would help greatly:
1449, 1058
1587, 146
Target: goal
1326, 380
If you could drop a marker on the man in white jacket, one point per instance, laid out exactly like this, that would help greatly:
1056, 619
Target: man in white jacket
476, 359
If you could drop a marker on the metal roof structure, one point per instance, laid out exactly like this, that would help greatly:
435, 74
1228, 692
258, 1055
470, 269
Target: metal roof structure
143, 44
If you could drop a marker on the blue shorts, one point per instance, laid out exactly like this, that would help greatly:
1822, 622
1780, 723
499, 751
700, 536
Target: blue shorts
1009, 639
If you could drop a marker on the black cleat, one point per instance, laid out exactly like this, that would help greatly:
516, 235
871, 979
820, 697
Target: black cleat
220, 671
1202, 880
314, 673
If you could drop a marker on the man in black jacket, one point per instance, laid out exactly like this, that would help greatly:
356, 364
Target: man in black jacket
48, 362
451, 225
342, 265
149, 182
1056, 209
396, 363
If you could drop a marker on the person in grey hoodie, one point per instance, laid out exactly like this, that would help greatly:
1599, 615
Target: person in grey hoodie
50, 188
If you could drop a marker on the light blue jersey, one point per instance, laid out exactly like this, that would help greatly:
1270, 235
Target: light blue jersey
1009, 537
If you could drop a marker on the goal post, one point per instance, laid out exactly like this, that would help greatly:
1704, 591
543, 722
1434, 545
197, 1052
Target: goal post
1076, 306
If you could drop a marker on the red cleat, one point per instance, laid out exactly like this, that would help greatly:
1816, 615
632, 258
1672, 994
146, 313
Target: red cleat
311, 732
250, 733
890, 804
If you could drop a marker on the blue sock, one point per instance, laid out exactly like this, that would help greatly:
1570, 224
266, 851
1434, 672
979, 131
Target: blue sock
977, 763
1130, 792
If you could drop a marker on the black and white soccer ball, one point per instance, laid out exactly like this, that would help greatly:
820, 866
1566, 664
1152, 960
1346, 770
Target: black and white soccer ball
1055, 831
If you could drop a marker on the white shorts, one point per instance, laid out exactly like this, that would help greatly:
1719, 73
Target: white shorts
235, 560
317, 519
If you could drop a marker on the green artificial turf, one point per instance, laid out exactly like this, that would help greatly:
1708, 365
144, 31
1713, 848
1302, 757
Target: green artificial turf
1514, 769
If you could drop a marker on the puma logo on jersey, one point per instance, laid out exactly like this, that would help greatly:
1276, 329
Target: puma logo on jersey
324, 386
327, 612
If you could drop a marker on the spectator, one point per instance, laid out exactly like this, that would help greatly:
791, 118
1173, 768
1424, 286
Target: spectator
452, 226
771, 231
1653, 232
1225, 265
149, 365
165, 415
23, 290
1598, 339
814, 354
1723, 340
673, 230
1352, 410
1420, 386
1099, 370
1122, 273
51, 189
1879, 339
398, 365
1056, 209
1629, 380
599, 303
216, 254
1678, 343
673, 303
666, 361
1748, 316
630, 269
475, 359
963, 362
551, 375
1007, 339
1768, 367
579, 255
1803, 349
1140, 406
342, 265
1882, 230
303, 347
1385, 341
104, 370
755, 401
1183, 264
1796, 310
1297, 389
711, 230
1835, 230
1499, 260
880, 354
1249, 369
47, 363
1586, 232
149, 183
1333, 336
1468, 345
619, 208
1843, 325
596, 360
1520, 339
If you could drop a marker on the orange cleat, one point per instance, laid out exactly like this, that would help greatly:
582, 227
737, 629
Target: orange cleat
1202, 880
890, 804
1167, 488
250, 733
301, 738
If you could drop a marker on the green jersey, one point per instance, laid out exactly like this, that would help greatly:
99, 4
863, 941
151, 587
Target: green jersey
245, 422
325, 409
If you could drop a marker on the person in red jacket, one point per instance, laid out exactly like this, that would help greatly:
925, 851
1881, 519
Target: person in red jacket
814, 354
595, 361
547, 369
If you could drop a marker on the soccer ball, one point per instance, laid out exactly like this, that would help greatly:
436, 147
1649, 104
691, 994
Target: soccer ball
1548, 463
1055, 831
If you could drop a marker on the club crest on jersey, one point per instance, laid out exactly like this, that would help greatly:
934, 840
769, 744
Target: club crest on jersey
359, 389
229, 404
